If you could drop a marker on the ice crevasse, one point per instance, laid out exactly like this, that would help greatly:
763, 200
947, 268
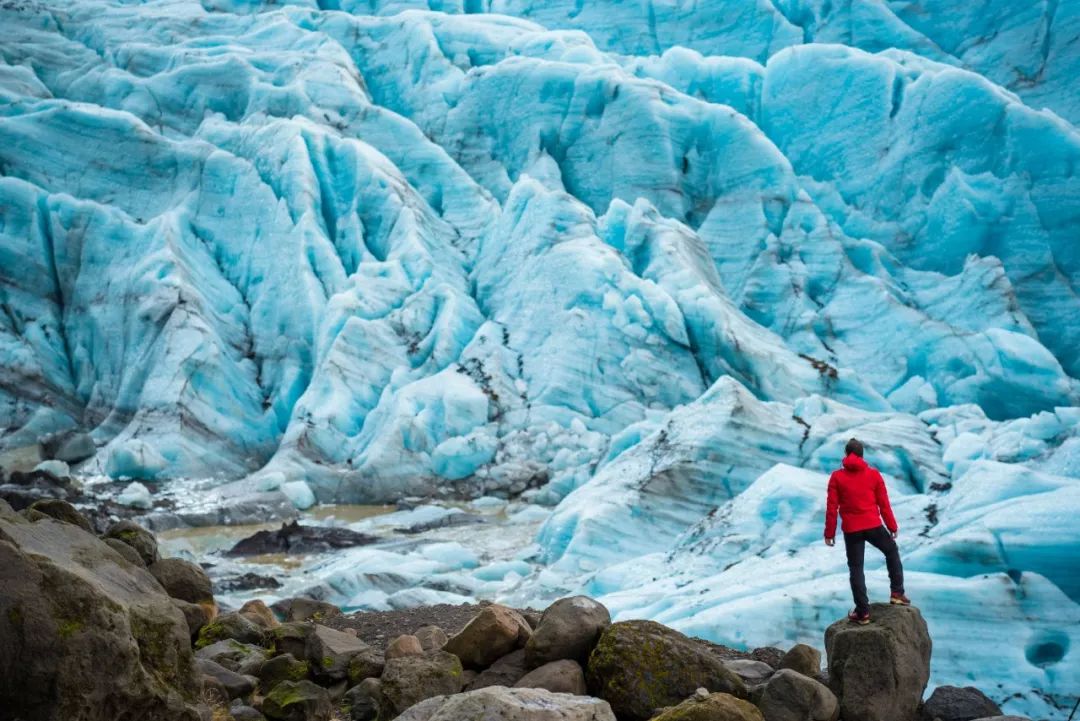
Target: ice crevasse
653, 264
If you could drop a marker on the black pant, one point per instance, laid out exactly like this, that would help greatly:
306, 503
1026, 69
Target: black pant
882, 540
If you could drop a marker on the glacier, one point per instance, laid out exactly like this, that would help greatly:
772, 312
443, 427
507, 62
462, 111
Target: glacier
640, 269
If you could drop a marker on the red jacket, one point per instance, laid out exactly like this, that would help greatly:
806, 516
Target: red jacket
858, 492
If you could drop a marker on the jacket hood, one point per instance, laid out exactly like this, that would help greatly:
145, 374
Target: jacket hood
854, 463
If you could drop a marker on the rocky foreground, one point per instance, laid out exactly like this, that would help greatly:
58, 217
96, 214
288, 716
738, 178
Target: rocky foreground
101, 628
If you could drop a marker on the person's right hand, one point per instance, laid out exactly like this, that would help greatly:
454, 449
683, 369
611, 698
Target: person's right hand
830, 541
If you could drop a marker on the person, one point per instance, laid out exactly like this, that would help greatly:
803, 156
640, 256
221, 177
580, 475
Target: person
857, 492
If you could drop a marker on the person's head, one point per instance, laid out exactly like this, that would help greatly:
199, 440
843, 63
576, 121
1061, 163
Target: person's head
854, 446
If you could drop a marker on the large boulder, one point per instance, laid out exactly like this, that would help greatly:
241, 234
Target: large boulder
305, 609
235, 656
409, 680
62, 511
498, 703
85, 635
232, 626
195, 615
291, 637
281, 668
490, 635
405, 645
183, 580
640, 666
953, 703
258, 612
568, 629
507, 671
297, 701
563, 676
236, 685
803, 659
330, 653
703, 706
879, 671
431, 638
361, 702
750, 671
790, 696
137, 537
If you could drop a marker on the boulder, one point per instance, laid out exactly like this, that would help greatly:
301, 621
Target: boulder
640, 666
245, 582
568, 629
330, 651
235, 685
750, 671
297, 701
954, 703
62, 511
803, 659
137, 537
68, 446
258, 612
410, 679
282, 668
507, 671
85, 635
368, 664
360, 703
195, 616
431, 638
791, 696
704, 706
184, 580
291, 637
295, 538
305, 609
126, 552
231, 626
564, 676
510, 704
404, 646
490, 635
233, 655
879, 671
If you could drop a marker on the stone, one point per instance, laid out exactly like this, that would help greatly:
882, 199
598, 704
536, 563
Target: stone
507, 671
243, 712
137, 537
510, 704
295, 538
231, 626
490, 635
330, 651
195, 615
84, 635
432, 638
214, 692
281, 668
69, 446
405, 645
306, 609
409, 680
640, 666
791, 696
184, 580
367, 664
62, 511
568, 629
953, 703
258, 612
711, 707
291, 637
245, 582
236, 685
750, 671
234, 655
879, 671
563, 676
803, 659
361, 702
297, 701
126, 552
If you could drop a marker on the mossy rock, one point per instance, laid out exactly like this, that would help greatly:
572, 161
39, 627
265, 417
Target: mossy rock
297, 701
183, 580
640, 666
231, 626
282, 668
291, 638
62, 511
713, 707
137, 537
409, 680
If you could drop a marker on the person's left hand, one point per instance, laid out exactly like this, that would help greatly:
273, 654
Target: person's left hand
830, 541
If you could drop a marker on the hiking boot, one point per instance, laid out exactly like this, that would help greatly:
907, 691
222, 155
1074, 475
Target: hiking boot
899, 599
860, 618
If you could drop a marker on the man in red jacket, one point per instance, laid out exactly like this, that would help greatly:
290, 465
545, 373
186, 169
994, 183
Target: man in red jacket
858, 493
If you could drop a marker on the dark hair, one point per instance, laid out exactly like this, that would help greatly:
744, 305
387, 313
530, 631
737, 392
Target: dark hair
854, 446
